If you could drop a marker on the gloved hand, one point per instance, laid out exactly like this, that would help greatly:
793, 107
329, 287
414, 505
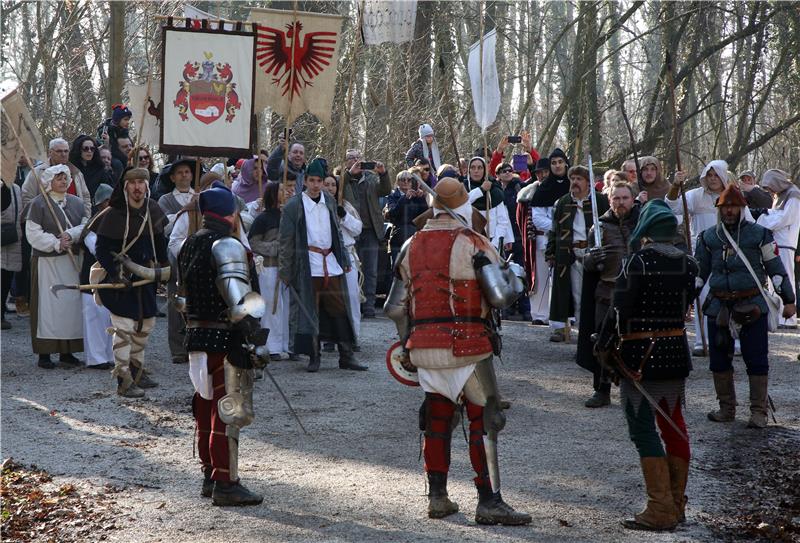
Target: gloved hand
340, 211
594, 259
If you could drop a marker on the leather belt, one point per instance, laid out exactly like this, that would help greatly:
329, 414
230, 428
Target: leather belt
735, 295
439, 320
580, 244
324, 253
208, 324
653, 334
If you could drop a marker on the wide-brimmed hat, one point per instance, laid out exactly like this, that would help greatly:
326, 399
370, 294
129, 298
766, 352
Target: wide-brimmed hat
450, 192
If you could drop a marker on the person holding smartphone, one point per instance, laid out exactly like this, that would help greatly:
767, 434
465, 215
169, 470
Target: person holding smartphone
364, 183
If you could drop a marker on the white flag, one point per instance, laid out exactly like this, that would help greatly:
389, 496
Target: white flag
389, 20
197, 15
486, 97
140, 101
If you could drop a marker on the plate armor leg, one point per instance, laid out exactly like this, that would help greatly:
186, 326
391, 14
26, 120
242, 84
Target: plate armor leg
236, 409
481, 389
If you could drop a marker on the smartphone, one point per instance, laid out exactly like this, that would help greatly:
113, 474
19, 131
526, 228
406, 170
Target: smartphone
514, 139
367, 165
414, 184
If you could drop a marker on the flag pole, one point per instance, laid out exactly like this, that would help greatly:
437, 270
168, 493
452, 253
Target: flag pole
488, 198
350, 85
44, 194
286, 144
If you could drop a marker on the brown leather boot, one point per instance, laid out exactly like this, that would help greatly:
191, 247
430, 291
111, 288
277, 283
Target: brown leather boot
726, 394
660, 513
758, 401
678, 475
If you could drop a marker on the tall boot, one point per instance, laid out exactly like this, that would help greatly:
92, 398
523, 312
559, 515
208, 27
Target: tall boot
439, 504
726, 394
758, 401
346, 359
678, 475
493, 510
314, 359
660, 513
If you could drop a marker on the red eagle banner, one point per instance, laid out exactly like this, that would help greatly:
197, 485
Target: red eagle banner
292, 84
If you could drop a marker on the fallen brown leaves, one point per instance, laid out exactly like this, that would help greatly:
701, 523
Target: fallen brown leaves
763, 474
36, 509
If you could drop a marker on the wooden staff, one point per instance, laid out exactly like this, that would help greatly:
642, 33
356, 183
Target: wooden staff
44, 194
684, 204
197, 175
639, 181
349, 110
141, 124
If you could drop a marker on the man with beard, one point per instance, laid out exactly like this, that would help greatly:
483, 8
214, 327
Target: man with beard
130, 245
700, 203
567, 242
602, 266
447, 280
225, 342
550, 189
180, 174
735, 303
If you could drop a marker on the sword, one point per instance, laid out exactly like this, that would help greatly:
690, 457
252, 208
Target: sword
285, 399
595, 219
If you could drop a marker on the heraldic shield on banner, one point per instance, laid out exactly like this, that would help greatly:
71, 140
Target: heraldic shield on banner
208, 86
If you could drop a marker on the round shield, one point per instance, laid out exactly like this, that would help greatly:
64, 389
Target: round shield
400, 366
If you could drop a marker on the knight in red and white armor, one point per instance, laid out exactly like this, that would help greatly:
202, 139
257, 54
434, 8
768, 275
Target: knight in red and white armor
447, 280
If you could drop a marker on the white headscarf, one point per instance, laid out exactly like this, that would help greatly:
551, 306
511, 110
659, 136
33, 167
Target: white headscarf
720, 167
427, 130
778, 182
50, 173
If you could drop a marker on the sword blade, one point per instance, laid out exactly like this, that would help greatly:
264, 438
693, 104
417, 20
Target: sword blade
285, 399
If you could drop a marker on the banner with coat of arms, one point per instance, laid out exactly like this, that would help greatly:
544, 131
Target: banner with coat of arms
207, 88
296, 58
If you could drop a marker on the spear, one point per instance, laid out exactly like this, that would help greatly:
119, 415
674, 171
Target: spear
684, 204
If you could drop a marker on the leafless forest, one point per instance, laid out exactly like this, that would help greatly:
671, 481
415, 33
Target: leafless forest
567, 70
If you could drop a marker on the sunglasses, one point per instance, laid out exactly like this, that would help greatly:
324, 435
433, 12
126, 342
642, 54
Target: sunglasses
506, 171
426, 169
89, 148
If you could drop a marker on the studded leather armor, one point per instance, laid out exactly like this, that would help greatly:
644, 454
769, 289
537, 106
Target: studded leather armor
204, 304
652, 294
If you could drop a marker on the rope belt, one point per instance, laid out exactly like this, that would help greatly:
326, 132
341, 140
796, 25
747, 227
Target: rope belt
324, 253
652, 334
735, 295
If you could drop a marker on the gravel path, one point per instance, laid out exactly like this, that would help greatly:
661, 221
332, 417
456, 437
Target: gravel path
357, 477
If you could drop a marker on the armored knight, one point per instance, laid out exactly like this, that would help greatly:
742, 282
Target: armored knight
447, 280
224, 340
